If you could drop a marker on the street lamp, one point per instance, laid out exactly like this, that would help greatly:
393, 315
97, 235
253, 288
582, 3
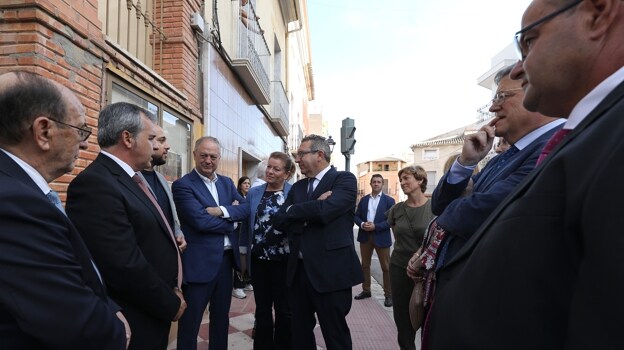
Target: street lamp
331, 144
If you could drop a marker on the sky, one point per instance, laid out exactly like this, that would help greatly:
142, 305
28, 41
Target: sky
405, 71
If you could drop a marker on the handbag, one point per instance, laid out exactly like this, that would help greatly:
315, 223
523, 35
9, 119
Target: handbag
418, 299
416, 302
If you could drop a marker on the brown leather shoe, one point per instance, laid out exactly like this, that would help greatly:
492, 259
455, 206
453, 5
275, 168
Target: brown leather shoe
363, 295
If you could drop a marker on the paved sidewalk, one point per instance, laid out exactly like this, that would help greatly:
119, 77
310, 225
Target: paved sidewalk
371, 324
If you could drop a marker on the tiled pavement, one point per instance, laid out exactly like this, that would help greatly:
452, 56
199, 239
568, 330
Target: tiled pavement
371, 324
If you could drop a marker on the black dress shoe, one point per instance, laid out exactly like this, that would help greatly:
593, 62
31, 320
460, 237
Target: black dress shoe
363, 295
388, 302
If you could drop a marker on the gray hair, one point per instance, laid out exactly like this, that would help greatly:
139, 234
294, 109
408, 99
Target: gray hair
503, 73
119, 117
319, 143
206, 138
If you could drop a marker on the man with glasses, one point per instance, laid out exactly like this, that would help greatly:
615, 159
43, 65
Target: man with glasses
545, 269
323, 266
52, 294
125, 228
207, 207
461, 211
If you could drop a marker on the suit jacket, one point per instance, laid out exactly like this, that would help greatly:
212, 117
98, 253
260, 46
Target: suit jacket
462, 216
545, 269
204, 233
381, 237
128, 239
165, 185
323, 232
51, 296
253, 200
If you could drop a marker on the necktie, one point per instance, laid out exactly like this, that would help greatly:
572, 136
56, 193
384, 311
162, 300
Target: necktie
310, 186
53, 197
552, 143
149, 195
504, 157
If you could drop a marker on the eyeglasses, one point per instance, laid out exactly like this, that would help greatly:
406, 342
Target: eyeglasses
500, 96
300, 154
521, 46
83, 132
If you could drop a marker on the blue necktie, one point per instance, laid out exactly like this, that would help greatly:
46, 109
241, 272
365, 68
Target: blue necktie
53, 197
310, 186
505, 157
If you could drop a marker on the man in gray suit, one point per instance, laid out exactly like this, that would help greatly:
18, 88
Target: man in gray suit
159, 185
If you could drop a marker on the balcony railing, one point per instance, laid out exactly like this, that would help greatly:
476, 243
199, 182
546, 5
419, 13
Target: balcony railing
295, 137
130, 24
279, 108
251, 59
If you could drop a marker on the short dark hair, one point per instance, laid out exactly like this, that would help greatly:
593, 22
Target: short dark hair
376, 175
319, 143
31, 96
117, 118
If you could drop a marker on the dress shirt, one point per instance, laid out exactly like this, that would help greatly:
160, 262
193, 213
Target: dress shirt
319, 177
211, 185
459, 172
32, 172
373, 202
591, 100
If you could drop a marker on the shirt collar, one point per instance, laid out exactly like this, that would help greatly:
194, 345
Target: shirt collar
533, 135
32, 172
206, 179
322, 173
591, 100
377, 196
127, 168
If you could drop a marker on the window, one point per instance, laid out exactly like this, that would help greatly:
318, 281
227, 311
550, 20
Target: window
430, 154
386, 167
178, 130
431, 181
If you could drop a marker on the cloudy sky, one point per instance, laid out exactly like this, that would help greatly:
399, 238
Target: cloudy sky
404, 70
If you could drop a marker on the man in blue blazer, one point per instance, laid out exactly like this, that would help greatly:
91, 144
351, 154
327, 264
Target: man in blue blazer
374, 234
323, 265
52, 296
461, 201
212, 249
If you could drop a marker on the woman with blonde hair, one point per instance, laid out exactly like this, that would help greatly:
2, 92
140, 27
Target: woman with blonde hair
409, 220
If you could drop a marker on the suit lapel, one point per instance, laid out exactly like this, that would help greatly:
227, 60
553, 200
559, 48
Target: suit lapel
126, 181
612, 98
200, 187
325, 184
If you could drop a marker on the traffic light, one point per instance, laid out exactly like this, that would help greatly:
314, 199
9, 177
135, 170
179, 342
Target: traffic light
347, 136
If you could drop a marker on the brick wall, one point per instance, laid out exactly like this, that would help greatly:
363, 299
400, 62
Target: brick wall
63, 40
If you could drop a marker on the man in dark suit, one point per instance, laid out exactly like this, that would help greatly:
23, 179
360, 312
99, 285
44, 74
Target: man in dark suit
545, 269
51, 296
124, 227
463, 201
374, 234
323, 265
159, 186
205, 203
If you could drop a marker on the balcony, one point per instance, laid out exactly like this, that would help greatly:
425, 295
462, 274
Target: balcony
251, 59
295, 137
279, 108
